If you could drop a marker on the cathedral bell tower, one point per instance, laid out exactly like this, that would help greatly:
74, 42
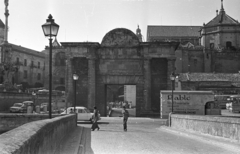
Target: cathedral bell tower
138, 33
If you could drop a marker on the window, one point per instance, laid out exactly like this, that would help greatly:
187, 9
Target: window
38, 64
25, 74
62, 80
228, 44
80, 111
39, 76
25, 62
32, 63
17, 60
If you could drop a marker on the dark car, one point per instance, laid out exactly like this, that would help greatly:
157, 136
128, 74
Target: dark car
17, 108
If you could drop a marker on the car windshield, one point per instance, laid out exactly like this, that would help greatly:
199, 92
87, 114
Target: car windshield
17, 105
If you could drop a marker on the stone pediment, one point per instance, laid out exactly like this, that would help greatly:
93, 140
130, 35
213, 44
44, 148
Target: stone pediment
120, 37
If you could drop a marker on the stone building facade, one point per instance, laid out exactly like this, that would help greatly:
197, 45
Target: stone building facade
213, 47
120, 59
205, 53
58, 66
19, 65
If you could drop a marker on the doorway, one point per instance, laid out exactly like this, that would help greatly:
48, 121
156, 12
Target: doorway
118, 96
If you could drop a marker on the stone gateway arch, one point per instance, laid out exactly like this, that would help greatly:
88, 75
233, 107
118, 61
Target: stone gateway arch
120, 59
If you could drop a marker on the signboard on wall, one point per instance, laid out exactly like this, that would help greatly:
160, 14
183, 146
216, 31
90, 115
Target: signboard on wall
184, 102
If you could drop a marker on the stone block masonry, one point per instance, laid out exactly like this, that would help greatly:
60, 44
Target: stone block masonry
226, 127
38, 137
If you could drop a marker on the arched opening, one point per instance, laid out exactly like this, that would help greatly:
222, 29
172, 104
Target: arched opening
212, 108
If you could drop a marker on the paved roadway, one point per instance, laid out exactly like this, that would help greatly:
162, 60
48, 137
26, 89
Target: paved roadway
148, 136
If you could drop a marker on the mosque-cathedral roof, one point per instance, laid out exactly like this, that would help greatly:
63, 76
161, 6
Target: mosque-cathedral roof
210, 77
222, 18
173, 31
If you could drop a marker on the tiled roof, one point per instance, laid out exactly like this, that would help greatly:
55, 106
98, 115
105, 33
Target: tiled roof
1, 24
194, 77
222, 18
173, 31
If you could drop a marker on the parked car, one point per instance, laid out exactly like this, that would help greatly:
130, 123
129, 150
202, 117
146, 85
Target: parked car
26, 104
82, 113
17, 108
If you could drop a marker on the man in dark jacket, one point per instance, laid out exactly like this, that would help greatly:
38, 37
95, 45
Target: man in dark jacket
125, 118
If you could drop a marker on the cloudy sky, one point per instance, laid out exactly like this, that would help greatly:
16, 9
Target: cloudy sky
90, 20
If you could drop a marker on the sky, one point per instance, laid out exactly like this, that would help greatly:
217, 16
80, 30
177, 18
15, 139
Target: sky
90, 20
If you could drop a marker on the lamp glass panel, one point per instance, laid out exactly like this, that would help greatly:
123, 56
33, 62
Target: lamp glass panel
46, 29
54, 29
75, 77
172, 77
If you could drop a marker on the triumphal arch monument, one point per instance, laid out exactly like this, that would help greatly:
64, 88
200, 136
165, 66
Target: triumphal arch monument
119, 70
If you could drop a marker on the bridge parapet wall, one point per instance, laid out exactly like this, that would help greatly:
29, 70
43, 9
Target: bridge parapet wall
9, 121
43, 136
226, 127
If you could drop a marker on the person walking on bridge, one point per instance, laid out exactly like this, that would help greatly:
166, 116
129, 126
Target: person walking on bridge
95, 119
125, 115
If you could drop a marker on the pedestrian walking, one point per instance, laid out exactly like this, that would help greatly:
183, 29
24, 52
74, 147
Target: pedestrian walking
125, 118
95, 119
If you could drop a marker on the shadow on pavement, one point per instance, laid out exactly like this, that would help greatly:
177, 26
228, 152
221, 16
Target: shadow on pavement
84, 122
87, 122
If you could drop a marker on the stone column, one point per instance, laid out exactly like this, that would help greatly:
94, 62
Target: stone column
171, 68
91, 82
147, 84
69, 82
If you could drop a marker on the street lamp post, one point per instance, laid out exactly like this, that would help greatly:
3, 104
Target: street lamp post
172, 77
50, 28
75, 78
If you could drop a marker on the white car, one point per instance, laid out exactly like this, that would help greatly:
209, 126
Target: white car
82, 113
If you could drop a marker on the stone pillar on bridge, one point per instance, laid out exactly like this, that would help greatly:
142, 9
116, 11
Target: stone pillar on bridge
91, 82
69, 82
147, 83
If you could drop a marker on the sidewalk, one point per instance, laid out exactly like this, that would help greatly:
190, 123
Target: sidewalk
78, 142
